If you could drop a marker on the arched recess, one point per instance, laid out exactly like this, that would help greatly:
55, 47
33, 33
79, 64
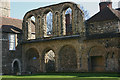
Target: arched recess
96, 59
30, 27
48, 60
67, 19
48, 23
16, 66
32, 60
67, 59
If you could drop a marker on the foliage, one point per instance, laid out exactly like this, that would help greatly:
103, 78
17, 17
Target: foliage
86, 13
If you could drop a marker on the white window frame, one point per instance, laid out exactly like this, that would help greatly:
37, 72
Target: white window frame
12, 42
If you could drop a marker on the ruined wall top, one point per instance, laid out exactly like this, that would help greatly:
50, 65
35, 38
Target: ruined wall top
59, 27
53, 8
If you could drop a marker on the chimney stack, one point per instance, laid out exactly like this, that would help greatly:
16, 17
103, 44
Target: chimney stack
105, 3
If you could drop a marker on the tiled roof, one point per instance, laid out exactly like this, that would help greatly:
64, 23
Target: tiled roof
10, 29
11, 21
105, 14
10, 24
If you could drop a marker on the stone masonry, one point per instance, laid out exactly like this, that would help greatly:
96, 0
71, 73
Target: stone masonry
92, 47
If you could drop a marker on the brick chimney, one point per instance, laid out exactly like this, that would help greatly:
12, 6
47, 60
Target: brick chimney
105, 3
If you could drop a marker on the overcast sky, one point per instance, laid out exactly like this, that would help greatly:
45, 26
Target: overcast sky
20, 7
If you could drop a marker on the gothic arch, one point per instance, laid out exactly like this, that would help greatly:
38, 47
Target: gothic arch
46, 10
102, 48
28, 24
64, 19
94, 56
44, 21
18, 64
65, 6
67, 58
48, 60
32, 60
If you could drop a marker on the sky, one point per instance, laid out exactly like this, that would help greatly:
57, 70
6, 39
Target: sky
20, 7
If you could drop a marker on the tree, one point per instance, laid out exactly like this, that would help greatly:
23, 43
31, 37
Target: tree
86, 13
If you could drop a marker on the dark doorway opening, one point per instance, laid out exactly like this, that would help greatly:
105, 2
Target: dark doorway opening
97, 64
16, 67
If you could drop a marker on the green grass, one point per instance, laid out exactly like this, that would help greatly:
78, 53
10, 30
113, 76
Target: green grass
65, 76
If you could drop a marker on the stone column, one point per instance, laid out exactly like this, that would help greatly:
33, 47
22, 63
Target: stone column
56, 63
23, 59
44, 26
76, 22
73, 21
41, 26
29, 28
37, 32
58, 23
42, 64
53, 25
25, 30
59, 27
78, 59
63, 26
40, 67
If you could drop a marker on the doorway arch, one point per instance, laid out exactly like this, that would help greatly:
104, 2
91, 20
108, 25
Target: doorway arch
16, 66
49, 60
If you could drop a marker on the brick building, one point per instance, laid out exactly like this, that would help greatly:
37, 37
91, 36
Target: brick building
11, 34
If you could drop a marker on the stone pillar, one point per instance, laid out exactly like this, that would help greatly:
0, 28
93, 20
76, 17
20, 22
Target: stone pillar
23, 59
63, 26
25, 30
40, 61
53, 25
42, 64
57, 23
37, 32
56, 63
73, 21
78, 22
41, 22
78, 59
29, 28
59, 27
43, 28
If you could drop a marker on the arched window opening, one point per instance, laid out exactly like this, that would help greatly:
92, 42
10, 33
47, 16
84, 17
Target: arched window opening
68, 21
49, 60
31, 28
32, 61
49, 22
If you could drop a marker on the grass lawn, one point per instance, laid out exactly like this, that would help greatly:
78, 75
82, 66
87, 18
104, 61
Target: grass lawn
65, 76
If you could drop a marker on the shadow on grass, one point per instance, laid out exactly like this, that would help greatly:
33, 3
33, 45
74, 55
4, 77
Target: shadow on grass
78, 74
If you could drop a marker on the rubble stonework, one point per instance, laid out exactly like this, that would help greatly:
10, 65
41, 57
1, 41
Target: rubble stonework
92, 47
